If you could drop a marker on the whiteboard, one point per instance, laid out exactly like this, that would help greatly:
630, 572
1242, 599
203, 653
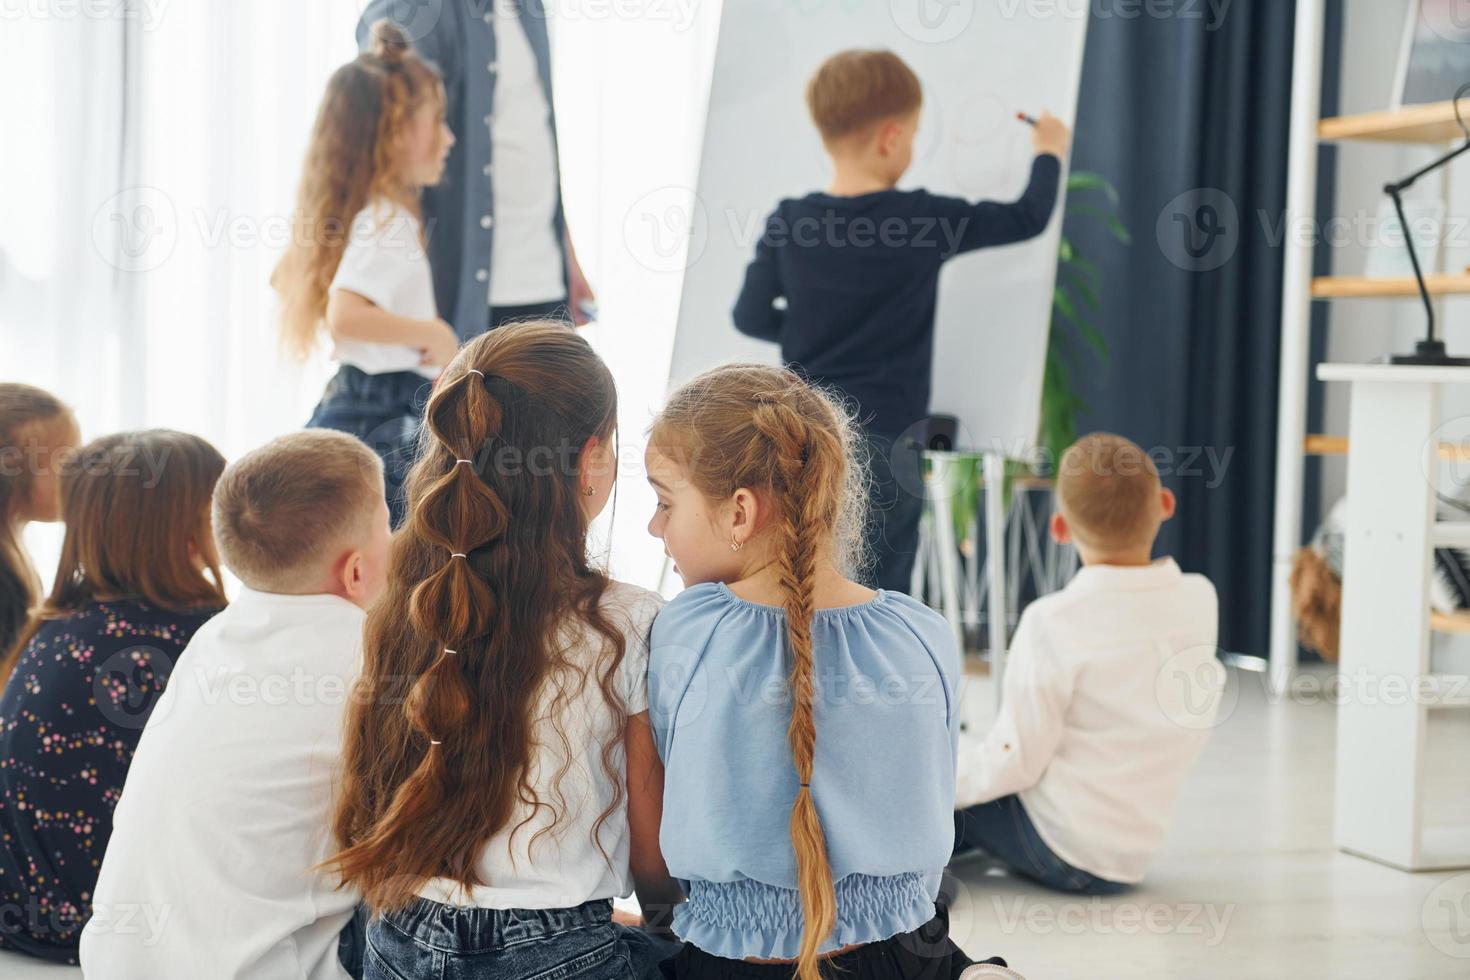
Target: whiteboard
980, 63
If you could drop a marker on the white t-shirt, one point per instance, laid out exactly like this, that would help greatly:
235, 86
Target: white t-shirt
385, 263
564, 868
228, 801
525, 256
1111, 689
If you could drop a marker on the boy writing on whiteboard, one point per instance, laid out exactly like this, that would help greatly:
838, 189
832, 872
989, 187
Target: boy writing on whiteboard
846, 280
1110, 692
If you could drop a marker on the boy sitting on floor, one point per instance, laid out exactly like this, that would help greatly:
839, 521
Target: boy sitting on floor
227, 807
1110, 691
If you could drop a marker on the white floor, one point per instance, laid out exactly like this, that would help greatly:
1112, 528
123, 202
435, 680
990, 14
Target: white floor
1249, 884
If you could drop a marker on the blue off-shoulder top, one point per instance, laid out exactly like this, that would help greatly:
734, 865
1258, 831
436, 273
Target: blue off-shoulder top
887, 726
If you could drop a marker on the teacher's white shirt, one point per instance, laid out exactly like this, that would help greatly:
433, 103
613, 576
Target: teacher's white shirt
385, 263
228, 802
525, 255
1111, 689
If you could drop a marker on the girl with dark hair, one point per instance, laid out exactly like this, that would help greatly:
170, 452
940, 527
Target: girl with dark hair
502, 715
138, 575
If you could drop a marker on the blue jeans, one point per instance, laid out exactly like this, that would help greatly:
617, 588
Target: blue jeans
1003, 830
428, 940
895, 506
383, 410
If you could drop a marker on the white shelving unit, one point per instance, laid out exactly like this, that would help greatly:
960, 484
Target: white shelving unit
1421, 124
1388, 686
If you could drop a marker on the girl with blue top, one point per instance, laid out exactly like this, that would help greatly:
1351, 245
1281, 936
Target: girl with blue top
807, 725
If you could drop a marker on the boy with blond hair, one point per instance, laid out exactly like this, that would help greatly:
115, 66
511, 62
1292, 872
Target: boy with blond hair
1110, 691
846, 280
226, 809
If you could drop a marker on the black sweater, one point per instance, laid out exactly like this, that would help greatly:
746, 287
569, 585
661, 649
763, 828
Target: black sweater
847, 285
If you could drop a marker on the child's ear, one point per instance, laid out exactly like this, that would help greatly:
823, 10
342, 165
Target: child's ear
1060, 532
352, 578
889, 133
745, 511
1167, 503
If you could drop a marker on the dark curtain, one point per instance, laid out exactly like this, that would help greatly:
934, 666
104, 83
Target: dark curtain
1188, 118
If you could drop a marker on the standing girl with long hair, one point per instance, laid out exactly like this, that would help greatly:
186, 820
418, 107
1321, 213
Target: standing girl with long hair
502, 711
36, 433
357, 263
807, 724
138, 576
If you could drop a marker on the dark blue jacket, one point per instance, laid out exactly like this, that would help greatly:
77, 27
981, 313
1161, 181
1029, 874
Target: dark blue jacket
459, 37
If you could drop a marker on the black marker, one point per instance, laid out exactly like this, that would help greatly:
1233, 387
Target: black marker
1028, 120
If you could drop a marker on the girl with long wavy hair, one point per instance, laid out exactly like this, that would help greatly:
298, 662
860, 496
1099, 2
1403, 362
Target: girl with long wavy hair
807, 723
502, 715
357, 266
36, 433
138, 576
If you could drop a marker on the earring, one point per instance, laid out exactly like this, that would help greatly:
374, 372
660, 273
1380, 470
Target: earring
736, 545
589, 491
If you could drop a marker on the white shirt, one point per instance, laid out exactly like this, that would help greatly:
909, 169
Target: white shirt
227, 805
385, 263
564, 868
525, 256
1111, 689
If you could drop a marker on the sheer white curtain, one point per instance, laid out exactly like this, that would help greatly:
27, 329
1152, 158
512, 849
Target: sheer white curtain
149, 174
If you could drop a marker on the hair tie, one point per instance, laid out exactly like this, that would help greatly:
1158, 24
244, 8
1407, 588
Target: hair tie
469, 461
433, 741
459, 554
806, 785
476, 371
447, 650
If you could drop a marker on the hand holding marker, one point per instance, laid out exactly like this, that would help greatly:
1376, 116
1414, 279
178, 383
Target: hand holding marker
1050, 134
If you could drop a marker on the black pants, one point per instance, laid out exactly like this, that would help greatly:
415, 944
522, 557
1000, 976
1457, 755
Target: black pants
927, 953
895, 505
383, 410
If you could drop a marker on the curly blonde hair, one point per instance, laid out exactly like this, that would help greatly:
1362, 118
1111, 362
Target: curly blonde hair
350, 161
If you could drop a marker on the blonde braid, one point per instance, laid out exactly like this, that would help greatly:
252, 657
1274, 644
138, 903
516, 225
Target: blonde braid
798, 540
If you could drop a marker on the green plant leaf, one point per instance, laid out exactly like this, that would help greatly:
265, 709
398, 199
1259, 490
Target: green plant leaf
1082, 180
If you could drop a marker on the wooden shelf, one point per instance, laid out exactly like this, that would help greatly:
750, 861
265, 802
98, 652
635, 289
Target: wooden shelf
1433, 123
1456, 622
1372, 287
1323, 445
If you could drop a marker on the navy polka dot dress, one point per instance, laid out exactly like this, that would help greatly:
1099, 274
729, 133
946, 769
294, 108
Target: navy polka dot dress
70, 719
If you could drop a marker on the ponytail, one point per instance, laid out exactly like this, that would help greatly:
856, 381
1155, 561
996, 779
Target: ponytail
485, 578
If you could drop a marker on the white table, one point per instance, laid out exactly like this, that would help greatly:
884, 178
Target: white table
1387, 688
